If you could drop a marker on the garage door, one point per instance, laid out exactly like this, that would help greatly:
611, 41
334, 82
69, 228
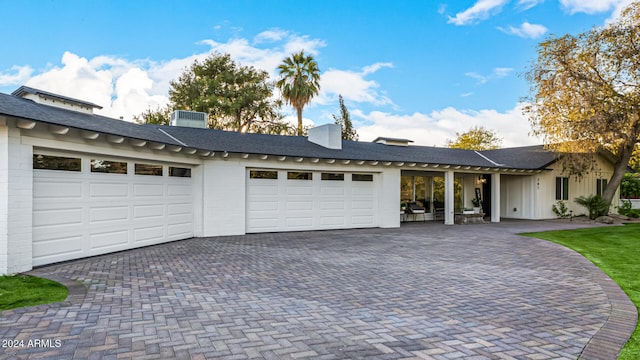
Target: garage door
294, 200
84, 206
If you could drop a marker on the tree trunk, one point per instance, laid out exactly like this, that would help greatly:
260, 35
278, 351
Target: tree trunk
619, 169
299, 111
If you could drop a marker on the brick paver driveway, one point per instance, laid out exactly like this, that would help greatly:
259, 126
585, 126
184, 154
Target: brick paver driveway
423, 291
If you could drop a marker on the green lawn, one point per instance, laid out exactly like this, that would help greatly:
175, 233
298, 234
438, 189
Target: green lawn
615, 250
21, 290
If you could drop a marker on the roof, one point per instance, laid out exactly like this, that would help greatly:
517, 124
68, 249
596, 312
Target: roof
29, 90
527, 158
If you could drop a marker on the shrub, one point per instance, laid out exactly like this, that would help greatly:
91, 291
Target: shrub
630, 186
560, 209
626, 210
595, 204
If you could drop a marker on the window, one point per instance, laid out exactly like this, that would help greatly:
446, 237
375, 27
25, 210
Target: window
562, 188
48, 162
106, 166
333, 176
263, 174
148, 169
294, 175
361, 177
601, 185
179, 172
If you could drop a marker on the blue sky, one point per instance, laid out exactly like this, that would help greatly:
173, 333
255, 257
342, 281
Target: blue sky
421, 70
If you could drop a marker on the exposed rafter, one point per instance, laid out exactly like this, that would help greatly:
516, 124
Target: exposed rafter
59, 130
25, 124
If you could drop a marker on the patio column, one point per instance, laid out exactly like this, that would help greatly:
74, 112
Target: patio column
495, 197
449, 198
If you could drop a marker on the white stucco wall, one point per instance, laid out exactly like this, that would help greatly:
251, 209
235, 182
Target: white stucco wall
16, 193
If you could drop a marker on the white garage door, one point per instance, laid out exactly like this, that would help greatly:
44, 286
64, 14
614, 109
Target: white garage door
85, 206
294, 200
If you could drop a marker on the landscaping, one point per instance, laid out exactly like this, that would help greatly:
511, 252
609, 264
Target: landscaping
616, 251
22, 290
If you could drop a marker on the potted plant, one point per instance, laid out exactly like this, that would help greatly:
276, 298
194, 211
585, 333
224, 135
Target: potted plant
477, 205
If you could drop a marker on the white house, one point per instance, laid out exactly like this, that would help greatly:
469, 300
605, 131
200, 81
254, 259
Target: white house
74, 184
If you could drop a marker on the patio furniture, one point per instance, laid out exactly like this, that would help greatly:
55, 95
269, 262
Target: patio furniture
415, 209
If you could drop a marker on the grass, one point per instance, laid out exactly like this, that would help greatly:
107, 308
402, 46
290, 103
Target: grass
21, 290
615, 250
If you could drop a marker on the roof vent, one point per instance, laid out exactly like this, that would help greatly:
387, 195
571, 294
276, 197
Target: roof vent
60, 101
192, 119
392, 141
327, 135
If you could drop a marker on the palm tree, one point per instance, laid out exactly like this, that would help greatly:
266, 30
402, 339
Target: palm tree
299, 81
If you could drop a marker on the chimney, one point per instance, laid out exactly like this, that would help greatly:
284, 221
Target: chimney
327, 135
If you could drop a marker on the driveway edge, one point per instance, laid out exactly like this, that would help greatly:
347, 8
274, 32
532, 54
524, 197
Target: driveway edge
610, 339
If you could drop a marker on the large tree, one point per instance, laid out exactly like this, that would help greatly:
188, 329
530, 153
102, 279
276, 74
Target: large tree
477, 138
236, 98
299, 82
344, 120
585, 95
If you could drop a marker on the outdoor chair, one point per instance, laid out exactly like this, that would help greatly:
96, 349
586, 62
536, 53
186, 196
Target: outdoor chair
415, 209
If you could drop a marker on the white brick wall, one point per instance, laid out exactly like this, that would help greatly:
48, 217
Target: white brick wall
16, 193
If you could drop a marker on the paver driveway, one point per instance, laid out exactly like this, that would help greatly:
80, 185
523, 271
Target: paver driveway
422, 291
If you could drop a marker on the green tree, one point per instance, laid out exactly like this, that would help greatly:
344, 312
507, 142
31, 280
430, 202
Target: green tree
159, 116
344, 120
299, 82
585, 95
477, 138
235, 98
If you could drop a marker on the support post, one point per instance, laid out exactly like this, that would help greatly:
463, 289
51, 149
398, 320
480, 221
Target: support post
495, 197
449, 193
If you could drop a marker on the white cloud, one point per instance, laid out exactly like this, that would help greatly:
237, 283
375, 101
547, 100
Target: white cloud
270, 36
528, 4
592, 6
435, 128
352, 85
481, 10
17, 76
526, 30
499, 72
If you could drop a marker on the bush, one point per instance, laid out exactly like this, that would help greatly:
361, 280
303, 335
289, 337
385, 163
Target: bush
595, 204
560, 209
630, 186
626, 210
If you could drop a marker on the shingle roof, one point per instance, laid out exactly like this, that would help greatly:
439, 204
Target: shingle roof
29, 90
528, 158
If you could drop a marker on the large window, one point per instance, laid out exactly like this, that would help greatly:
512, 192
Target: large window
48, 162
562, 188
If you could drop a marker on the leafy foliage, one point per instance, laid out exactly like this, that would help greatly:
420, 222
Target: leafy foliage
595, 204
630, 186
585, 95
235, 98
159, 116
626, 209
477, 138
560, 209
348, 131
299, 82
